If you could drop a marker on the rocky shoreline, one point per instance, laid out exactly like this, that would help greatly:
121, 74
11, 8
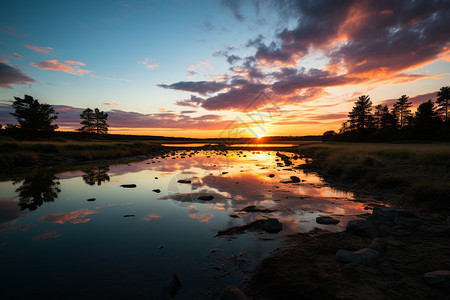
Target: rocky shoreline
392, 254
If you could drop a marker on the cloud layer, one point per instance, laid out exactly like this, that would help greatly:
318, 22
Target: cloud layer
10, 75
71, 67
360, 42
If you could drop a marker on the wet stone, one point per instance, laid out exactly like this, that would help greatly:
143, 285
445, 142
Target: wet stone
183, 181
128, 186
157, 191
327, 220
272, 225
205, 198
295, 179
91, 199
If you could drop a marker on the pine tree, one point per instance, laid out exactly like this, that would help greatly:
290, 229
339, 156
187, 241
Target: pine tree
401, 109
87, 120
360, 116
442, 101
34, 116
100, 125
426, 114
94, 121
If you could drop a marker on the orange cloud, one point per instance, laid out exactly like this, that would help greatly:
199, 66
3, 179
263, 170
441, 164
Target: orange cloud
151, 216
203, 218
55, 65
73, 62
112, 104
74, 217
45, 50
146, 63
46, 235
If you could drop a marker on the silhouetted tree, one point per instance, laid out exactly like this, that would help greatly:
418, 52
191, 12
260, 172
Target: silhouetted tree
34, 116
328, 135
94, 121
344, 127
96, 175
360, 116
426, 113
37, 189
87, 120
401, 109
442, 101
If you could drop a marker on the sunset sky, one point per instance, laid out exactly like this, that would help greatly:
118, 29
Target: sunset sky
202, 68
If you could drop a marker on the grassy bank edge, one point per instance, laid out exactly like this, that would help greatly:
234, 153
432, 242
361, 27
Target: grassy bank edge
29, 154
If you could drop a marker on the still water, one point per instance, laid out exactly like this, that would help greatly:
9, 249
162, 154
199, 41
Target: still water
79, 234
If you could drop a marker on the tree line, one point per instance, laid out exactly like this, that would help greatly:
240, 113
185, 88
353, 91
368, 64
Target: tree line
36, 119
365, 122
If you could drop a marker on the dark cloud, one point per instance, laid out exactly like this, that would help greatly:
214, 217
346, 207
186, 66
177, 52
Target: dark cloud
233, 58
236, 98
5, 114
234, 7
380, 36
200, 87
188, 112
194, 101
363, 41
10, 75
291, 80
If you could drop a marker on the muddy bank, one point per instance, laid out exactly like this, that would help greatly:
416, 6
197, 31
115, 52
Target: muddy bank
307, 265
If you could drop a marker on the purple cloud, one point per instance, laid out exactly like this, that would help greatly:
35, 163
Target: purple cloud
10, 75
200, 87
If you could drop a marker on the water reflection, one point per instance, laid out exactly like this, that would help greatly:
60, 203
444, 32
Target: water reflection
37, 189
90, 244
96, 175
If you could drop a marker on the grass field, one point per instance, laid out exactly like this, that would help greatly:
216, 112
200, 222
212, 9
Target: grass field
418, 172
16, 154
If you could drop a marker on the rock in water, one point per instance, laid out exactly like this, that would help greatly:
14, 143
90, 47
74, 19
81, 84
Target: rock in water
232, 293
91, 199
173, 287
128, 186
295, 179
365, 255
271, 175
327, 220
157, 191
205, 198
272, 225
184, 181
127, 216
439, 277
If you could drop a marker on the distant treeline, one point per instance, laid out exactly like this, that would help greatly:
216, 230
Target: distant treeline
366, 123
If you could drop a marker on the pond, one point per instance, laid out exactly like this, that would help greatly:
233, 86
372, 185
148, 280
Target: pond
81, 233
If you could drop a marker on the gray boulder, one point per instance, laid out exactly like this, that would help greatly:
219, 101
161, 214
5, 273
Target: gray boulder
390, 213
362, 256
272, 225
362, 228
439, 277
378, 245
232, 293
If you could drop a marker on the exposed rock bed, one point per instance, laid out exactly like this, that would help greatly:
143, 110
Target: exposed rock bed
392, 254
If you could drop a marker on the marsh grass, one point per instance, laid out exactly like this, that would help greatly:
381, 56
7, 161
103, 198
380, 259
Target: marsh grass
419, 172
14, 154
